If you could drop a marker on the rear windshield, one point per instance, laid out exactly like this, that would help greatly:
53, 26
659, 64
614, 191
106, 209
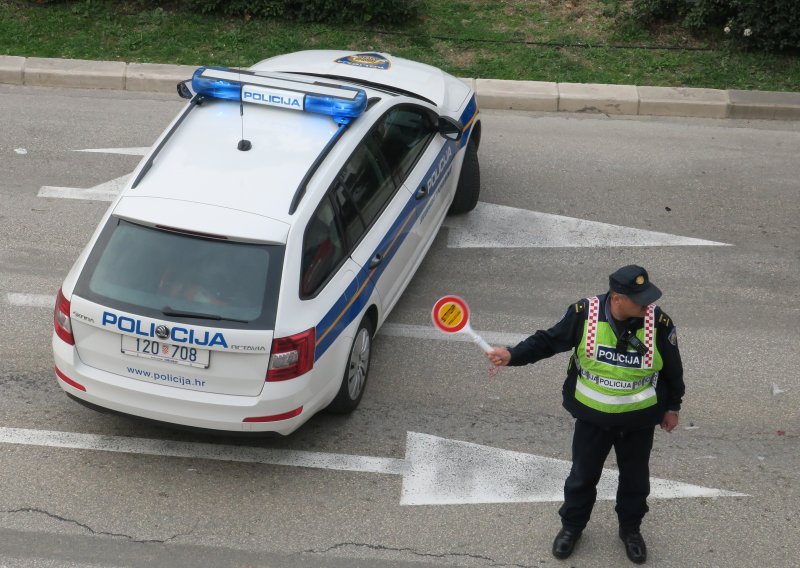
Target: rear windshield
193, 279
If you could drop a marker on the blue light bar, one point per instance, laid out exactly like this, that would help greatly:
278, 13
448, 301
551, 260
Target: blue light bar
341, 103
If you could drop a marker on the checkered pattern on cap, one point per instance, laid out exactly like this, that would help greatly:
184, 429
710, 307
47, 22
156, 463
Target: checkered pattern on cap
591, 326
649, 334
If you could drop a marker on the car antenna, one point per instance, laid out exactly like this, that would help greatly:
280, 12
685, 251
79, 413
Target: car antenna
244, 145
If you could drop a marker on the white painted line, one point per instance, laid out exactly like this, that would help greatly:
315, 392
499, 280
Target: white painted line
20, 151
388, 329
140, 151
429, 332
499, 226
31, 300
220, 452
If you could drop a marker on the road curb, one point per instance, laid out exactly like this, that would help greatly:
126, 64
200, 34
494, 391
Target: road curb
491, 93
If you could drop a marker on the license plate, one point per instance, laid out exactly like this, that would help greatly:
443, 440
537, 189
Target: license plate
180, 354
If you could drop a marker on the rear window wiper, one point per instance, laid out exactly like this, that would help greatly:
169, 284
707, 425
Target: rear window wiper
167, 311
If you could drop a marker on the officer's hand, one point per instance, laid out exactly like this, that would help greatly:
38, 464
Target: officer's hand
499, 356
669, 422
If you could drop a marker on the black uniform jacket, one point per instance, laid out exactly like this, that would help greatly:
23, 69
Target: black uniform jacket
567, 334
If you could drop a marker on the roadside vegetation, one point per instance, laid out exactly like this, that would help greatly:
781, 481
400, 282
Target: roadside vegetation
584, 41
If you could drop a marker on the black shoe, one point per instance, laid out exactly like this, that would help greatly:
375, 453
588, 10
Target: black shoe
635, 547
564, 543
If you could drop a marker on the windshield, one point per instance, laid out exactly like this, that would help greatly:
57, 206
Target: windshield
152, 271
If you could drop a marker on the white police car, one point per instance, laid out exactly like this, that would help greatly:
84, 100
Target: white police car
238, 280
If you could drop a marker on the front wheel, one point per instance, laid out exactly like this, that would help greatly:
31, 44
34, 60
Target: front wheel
355, 374
469, 182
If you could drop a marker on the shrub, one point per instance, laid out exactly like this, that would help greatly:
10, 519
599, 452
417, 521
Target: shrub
767, 25
333, 11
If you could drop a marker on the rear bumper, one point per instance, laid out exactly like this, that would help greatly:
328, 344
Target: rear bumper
175, 405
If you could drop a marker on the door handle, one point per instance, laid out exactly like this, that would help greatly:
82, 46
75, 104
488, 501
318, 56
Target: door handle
422, 193
375, 260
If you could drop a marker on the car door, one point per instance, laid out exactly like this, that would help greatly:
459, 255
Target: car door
429, 174
327, 277
376, 213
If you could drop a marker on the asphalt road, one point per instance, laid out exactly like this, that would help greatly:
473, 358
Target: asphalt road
736, 308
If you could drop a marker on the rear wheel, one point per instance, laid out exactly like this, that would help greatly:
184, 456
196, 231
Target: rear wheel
355, 374
469, 182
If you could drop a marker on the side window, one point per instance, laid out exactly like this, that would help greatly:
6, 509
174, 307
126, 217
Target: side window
368, 184
402, 135
348, 213
323, 249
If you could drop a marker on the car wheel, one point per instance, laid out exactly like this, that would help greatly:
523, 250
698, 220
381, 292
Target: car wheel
469, 182
355, 374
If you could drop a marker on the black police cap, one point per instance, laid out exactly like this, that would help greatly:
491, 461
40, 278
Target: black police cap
633, 281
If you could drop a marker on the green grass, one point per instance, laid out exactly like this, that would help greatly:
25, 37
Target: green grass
543, 40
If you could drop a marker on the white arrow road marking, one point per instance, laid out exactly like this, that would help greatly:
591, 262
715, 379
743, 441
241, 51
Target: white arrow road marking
107, 191
499, 226
487, 226
449, 472
435, 471
31, 300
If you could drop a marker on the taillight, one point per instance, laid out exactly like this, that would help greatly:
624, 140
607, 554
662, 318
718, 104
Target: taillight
61, 321
291, 356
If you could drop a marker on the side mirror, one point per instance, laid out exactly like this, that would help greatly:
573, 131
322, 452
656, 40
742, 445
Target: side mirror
183, 90
450, 128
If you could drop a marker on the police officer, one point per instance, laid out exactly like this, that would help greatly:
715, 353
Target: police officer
624, 377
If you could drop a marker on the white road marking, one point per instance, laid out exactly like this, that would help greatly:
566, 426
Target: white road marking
107, 191
31, 300
20, 151
450, 472
499, 226
429, 332
436, 471
388, 329
139, 151
488, 226
195, 450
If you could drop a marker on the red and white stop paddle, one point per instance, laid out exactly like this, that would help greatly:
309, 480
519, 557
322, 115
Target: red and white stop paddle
451, 315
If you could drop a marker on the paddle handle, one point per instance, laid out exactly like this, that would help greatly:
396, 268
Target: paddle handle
478, 340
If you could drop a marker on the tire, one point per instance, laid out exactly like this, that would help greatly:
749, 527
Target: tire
469, 182
354, 380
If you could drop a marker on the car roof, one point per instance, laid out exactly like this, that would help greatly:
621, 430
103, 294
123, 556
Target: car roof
441, 88
202, 164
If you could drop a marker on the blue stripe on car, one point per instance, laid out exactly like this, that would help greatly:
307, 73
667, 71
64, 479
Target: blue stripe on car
358, 292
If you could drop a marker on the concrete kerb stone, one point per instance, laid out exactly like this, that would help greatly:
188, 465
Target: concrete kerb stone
680, 101
491, 93
156, 77
605, 99
517, 95
11, 67
75, 73
765, 105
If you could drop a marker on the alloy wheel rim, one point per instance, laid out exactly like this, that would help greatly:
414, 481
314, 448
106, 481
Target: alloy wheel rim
359, 364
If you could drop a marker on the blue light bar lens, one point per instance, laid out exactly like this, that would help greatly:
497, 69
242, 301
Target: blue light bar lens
216, 88
341, 110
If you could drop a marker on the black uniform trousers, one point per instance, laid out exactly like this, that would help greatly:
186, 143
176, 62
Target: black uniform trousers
591, 445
